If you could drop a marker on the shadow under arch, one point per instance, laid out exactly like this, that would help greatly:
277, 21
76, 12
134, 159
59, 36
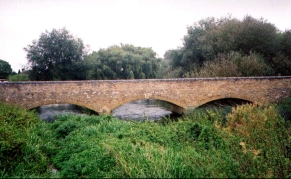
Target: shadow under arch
173, 106
48, 112
88, 106
221, 102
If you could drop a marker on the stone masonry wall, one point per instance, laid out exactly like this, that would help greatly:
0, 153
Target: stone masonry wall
103, 96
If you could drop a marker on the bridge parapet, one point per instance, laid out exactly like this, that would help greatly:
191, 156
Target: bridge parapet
103, 96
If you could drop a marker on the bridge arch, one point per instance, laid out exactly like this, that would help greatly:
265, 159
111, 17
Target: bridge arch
231, 97
225, 101
40, 103
175, 106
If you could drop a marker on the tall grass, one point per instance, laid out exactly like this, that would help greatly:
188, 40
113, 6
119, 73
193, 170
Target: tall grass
249, 141
20, 155
263, 140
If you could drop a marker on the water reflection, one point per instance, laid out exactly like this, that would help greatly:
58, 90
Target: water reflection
142, 110
50, 112
136, 110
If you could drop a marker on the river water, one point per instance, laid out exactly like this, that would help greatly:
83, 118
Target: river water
142, 110
136, 110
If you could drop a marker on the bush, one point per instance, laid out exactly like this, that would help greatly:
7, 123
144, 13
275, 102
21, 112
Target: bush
249, 142
18, 77
19, 155
260, 141
281, 64
233, 64
254, 65
285, 109
222, 67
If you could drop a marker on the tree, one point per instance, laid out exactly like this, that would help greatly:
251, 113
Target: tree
123, 62
5, 69
257, 35
56, 55
211, 37
286, 43
233, 64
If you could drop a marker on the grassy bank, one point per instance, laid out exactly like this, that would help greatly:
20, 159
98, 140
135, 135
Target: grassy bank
249, 141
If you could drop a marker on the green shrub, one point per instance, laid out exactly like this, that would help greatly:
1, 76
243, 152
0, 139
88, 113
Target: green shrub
260, 140
223, 66
101, 146
18, 77
233, 64
285, 109
254, 65
250, 141
281, 64
19, 155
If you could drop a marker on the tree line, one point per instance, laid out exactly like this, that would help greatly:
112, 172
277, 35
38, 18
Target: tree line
212, 47
231, 47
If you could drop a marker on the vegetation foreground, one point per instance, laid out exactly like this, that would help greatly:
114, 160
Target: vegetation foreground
248, 141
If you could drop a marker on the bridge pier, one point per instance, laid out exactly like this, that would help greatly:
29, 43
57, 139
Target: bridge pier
177, 109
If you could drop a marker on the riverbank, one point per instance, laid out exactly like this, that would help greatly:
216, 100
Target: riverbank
250, 141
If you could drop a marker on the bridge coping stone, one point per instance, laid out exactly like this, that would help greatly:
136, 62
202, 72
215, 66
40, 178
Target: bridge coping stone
158, 80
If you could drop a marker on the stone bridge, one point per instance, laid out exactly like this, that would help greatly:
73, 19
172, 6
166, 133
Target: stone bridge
103, 96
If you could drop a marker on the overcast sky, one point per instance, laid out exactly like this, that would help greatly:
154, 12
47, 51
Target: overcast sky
160, 24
